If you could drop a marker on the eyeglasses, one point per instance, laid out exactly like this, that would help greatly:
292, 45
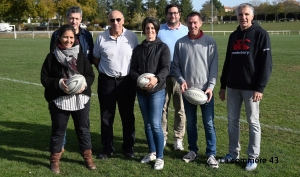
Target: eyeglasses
113, 20
173, 13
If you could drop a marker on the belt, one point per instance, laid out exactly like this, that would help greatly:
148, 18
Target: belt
115, 78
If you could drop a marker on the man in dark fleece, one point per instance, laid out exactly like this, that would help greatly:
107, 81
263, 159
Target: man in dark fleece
246, 72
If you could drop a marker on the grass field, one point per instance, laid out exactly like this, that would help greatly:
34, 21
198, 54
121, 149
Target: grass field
25, 122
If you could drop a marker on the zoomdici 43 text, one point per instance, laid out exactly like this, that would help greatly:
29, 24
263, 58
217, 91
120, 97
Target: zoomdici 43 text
258, 160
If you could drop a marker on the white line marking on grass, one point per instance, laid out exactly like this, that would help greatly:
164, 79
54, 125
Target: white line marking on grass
217, 117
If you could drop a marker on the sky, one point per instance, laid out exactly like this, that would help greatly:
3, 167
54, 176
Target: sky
198, 3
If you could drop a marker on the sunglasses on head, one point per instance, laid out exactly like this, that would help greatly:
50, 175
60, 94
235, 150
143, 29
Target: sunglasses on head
113, 20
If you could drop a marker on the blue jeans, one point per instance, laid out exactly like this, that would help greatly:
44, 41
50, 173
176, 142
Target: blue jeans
235, 99
208, 122
151, 106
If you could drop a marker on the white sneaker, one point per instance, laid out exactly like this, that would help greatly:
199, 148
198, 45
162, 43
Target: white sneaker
148, 158
212, 162
178, 145
159, 164
189, 157
251, 165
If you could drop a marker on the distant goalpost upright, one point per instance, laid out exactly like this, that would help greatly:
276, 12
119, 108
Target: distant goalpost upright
14, 27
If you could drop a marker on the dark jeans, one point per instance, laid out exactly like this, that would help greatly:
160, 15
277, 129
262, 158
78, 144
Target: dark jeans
113, 91
60, 119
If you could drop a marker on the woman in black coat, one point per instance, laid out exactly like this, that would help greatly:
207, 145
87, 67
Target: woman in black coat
152, 56
65, 61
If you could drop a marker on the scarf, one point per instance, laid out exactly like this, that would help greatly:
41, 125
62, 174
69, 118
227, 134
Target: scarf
67, 57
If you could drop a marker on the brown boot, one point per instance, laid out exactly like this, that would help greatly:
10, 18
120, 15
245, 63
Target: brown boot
87, 156
54, 162
62, 151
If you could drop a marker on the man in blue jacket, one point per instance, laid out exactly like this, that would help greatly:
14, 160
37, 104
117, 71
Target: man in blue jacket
74, 18
246, 72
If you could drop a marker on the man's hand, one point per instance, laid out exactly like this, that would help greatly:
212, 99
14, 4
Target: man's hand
222, 93
209, 93
183, 87
257, 96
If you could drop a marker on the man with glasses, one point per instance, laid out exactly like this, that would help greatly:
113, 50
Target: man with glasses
169, 33
86, 43
246, 72
112, 58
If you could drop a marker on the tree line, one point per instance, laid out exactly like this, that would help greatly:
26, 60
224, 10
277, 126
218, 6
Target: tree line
96, 11
273, 10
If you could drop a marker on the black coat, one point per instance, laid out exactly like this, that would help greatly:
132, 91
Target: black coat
151, 57
51, 73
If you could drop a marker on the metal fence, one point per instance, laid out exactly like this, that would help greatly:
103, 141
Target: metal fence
48, 34
43, 34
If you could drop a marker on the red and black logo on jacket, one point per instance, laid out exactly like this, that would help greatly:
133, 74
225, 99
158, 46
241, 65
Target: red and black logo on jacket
241, 44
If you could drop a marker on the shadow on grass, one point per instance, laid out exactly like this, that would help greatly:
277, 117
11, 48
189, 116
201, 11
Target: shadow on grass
20, 141
35, 137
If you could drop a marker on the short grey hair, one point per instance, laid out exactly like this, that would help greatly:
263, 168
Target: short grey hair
74, 9
242, 6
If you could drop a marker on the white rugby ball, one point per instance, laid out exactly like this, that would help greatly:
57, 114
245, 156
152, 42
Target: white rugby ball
142, 80
75, 83
195, 96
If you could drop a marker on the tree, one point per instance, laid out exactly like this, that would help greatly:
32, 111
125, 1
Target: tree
88, 9
138, 19
265, 8
46, 10
255, 4
152, 12
288, 7
186, 7
161, 5
174, 1
4, 8
135, 6
102, 12
296, 9
277, 8
18, 10
218, 9
206, 11
150, 4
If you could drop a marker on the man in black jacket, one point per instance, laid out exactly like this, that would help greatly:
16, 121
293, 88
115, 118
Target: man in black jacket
246, 72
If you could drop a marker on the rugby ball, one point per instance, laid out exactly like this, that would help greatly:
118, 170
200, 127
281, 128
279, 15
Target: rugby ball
142, 80
195, 96
75, 83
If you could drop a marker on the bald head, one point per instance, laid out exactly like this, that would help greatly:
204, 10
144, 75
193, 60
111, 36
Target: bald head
115, 12
116, 21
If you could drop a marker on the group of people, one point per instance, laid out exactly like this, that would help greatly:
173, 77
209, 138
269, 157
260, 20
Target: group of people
179, 57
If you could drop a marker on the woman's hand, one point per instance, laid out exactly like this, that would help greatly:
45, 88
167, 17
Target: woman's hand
82, 88
62, 85
152, 82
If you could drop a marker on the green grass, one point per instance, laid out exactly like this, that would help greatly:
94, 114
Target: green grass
25, 121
